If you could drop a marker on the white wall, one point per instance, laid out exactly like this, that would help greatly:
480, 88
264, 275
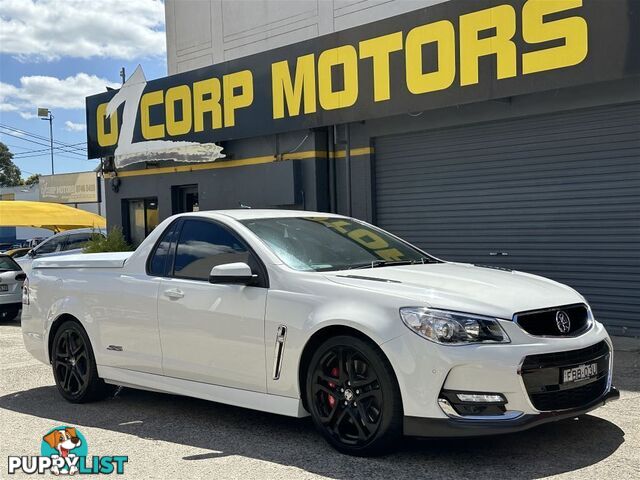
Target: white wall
205, 32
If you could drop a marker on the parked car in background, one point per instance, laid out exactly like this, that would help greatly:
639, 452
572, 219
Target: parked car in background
17, 252
301, 313
11, 279
34, 242
64, 243
5, 246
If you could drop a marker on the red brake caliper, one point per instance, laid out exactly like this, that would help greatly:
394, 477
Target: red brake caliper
330, 398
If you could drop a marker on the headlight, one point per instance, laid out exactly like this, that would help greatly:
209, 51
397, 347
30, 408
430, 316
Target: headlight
452, 328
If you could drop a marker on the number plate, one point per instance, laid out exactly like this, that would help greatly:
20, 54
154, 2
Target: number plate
579, 373
4, 288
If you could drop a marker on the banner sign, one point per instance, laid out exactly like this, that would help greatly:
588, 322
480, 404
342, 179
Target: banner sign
452, 53
70, 188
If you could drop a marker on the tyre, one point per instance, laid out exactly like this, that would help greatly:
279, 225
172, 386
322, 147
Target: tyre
74, 365
10, 313
353, 397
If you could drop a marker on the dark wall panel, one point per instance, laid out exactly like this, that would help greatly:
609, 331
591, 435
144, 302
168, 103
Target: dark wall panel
558, 194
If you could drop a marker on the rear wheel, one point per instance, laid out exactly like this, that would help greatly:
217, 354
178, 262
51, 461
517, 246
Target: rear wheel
74, 365
353, 397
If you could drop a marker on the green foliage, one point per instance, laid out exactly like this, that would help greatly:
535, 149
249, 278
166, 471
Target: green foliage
32, 179
113, 242
9, 171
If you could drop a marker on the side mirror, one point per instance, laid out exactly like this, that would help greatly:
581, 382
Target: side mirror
31, 253
239, 273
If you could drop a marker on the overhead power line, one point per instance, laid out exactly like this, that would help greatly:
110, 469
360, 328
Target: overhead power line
57, 155
37, 136
40, 150
64, 148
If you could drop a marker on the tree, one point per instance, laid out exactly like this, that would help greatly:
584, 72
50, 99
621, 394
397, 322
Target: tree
9, 171
113, 242
33, 179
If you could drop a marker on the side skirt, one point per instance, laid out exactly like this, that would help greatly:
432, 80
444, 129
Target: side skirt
291, 407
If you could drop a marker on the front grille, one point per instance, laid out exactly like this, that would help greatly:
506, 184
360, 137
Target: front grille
571, 398
544, 322
542, 378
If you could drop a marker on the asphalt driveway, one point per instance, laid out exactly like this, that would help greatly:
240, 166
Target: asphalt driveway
167, 436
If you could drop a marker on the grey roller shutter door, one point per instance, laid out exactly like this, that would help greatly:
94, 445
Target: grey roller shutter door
558, 194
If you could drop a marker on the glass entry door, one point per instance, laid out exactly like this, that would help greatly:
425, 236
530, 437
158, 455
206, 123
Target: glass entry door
143, 218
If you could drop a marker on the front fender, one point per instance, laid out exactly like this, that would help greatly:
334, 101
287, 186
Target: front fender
306, 314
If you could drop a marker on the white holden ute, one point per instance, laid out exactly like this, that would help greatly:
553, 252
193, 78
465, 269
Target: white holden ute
306, 313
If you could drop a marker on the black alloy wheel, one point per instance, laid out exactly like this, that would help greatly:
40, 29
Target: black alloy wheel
74, 366
353, 396
71, 363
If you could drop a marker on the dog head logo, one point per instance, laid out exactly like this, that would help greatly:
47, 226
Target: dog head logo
64, 445
64, 451
63, 440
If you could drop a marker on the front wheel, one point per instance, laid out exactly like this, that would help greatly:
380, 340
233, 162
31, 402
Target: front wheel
353, 397
74, 366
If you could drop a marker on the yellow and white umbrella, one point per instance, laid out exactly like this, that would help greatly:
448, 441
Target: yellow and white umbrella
52, 216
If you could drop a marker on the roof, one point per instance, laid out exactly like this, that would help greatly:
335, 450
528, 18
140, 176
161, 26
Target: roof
254, 213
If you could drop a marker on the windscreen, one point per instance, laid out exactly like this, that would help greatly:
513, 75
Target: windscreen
323, 244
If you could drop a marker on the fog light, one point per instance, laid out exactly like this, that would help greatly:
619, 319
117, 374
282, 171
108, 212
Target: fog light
481, 397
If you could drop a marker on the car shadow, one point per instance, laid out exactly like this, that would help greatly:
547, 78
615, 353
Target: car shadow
15, 322
225, 430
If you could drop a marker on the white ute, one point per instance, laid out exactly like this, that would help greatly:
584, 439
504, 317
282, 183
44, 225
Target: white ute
301, 313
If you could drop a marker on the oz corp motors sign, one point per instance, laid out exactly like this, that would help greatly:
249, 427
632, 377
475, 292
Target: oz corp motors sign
451, 53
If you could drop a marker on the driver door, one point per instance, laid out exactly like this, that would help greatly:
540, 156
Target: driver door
211, 333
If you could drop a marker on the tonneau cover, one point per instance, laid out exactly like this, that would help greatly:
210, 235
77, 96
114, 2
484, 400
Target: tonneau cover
84, 260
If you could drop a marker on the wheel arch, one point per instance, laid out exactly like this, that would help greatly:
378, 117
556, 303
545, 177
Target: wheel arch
317, 339
55, 326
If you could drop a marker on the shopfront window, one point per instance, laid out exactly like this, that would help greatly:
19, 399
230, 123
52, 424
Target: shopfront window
142, 218
185, 198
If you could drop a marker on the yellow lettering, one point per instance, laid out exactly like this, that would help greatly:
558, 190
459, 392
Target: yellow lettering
338, 225
444, 35
348, 58
501, 18
106, 139
368, 239
211, 87
150, 132
379, 49
180, 94
573, 31
232, 102
284, 90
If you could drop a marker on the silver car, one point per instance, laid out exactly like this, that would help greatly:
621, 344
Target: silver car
64, 243
11, 279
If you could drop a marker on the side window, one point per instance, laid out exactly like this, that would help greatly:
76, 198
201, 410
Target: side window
202, 246
52, 246
158, 262
78, 240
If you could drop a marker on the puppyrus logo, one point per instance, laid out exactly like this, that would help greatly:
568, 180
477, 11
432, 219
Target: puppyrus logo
64, 451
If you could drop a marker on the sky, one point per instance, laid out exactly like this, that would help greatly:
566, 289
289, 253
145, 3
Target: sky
53, 54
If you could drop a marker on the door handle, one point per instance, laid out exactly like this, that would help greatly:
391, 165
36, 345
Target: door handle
174, 293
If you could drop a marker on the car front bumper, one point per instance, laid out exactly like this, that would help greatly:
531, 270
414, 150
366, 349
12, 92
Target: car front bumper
461, 427
428, 372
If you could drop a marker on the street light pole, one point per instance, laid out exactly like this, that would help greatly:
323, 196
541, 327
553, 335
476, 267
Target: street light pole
45, 114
